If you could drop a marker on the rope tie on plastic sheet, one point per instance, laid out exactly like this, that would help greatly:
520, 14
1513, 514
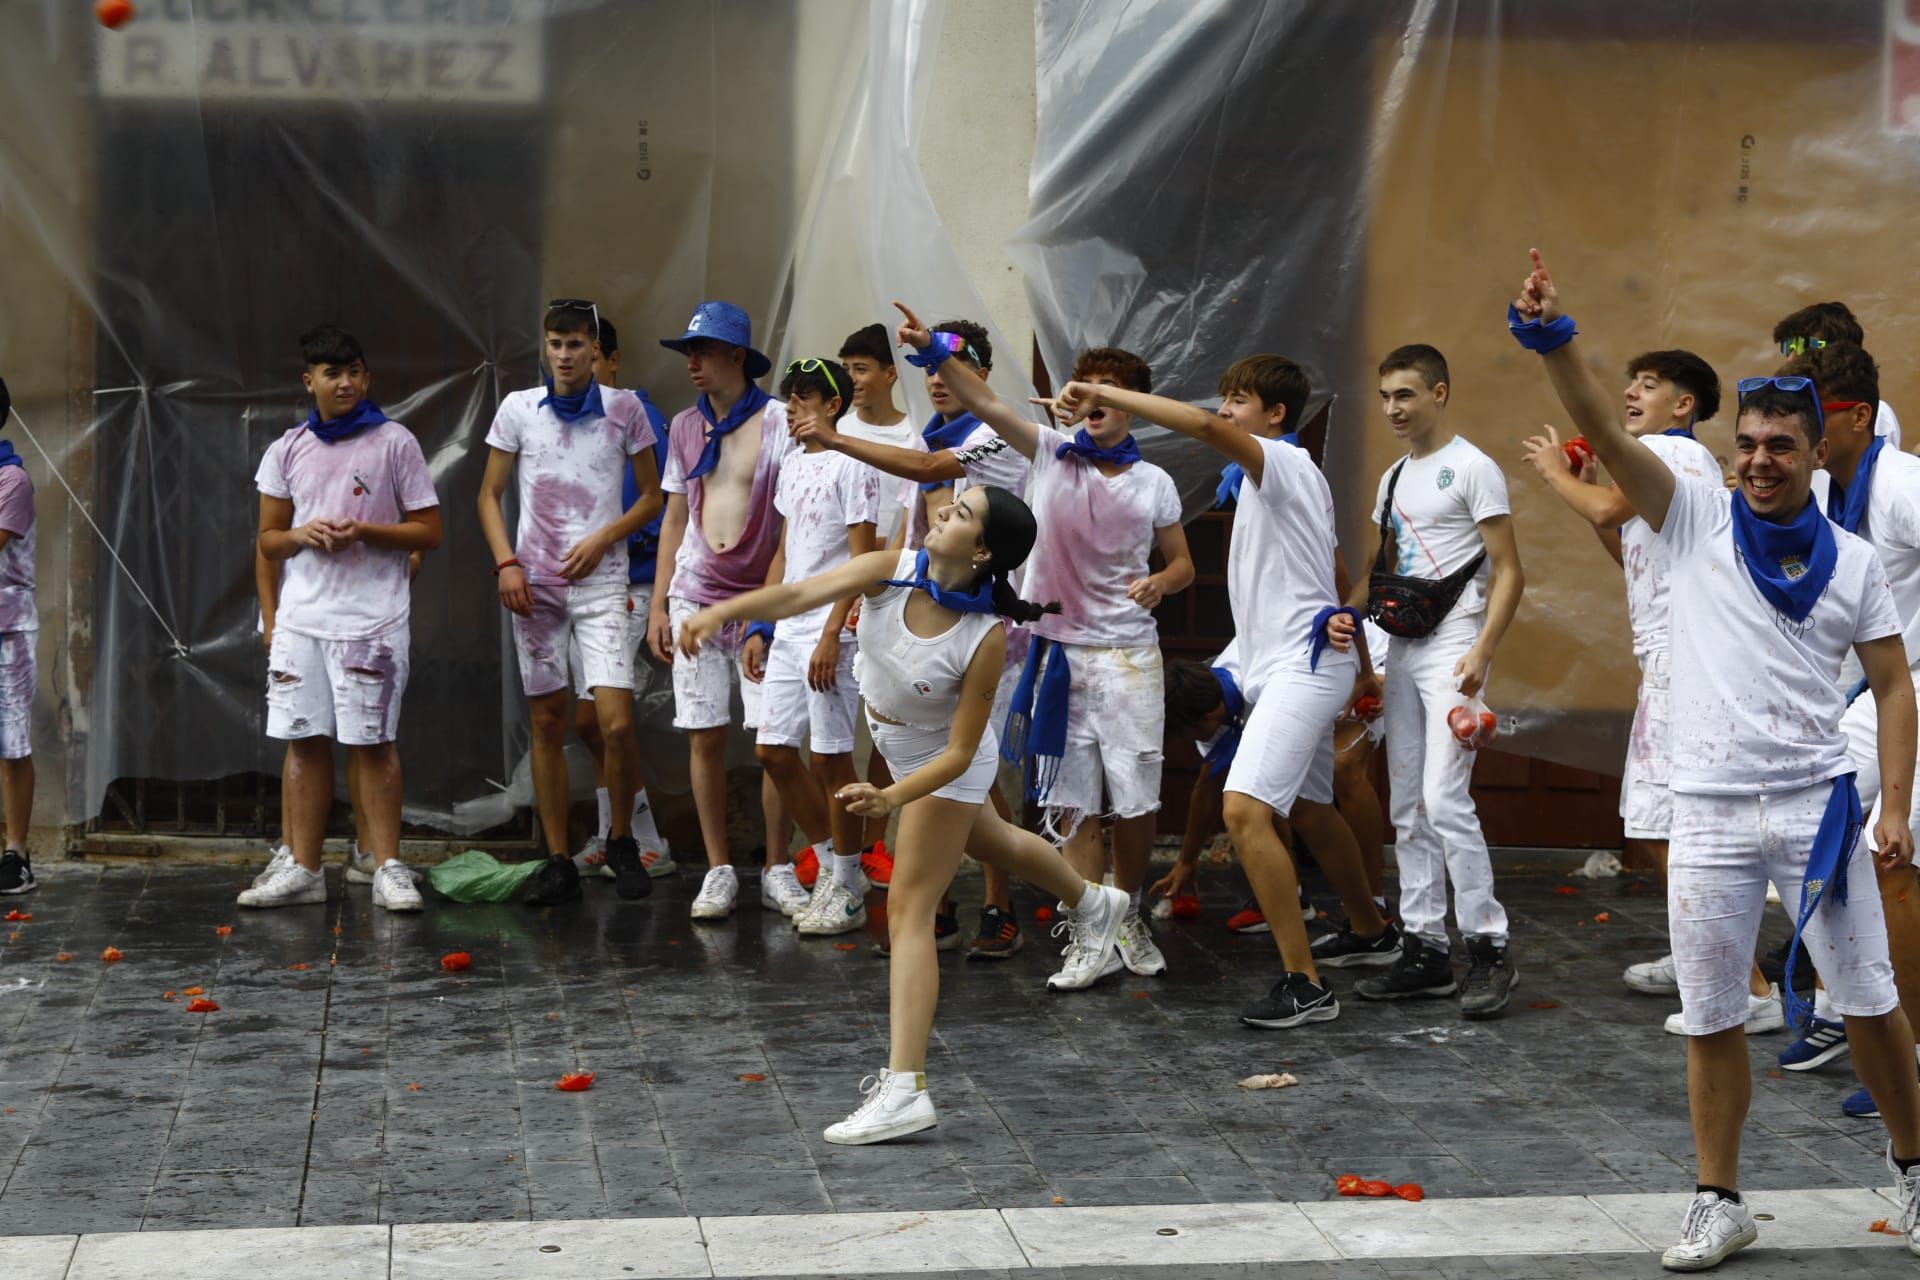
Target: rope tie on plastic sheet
179, 646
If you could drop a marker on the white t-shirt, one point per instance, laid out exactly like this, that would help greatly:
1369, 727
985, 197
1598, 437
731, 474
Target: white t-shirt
18, 609
1643, 556
1887, 423
1095, 534
1437, 509
570, 477
1756, 703
376, 475
1280, 562
1892, 525
985, 459
819, 495
897, 496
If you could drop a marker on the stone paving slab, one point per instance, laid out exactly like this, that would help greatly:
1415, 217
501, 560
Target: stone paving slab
348, 1080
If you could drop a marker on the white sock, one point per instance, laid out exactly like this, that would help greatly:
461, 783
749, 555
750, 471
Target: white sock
1380, 905
846, 866
606, 812
644, 828
1823, 1007
1133, 903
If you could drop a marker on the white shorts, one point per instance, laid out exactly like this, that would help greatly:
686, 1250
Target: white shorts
639, 600
907, 747
1116, 729
789, 707
1286, 749
1724, 850
585, 623
1646, 806
347, 690
17, 682
702, 684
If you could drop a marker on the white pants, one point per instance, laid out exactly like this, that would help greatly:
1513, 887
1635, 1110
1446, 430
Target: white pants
586, 623
792, 711
1116, 728
702, 684
1286, 749
1861, 724
1437, 831
17, 681
347, 690
1723, 851
1646, 806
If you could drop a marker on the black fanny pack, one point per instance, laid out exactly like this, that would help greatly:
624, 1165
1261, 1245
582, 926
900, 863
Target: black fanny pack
1411, 607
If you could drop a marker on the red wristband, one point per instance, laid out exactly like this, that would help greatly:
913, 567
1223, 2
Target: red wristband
508, 563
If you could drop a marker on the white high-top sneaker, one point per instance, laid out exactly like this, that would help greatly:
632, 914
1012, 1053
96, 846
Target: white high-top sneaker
282, 857
1092, 929
1713, 1229
897, 1104
1908, 1185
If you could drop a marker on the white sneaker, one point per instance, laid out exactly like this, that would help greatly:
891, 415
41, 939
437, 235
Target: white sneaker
1091, 931
1654, 977
361, 866
291, 886
718, 892
780, 891
393, 888
1136, 946
592, 858
282, 858
1763, 1014
1713, 1229
842, 912
822, 889
658, 863
897, 1105
1908, 1187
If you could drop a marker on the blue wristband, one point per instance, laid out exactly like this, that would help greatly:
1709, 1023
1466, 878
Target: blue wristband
764, 629
1537, 337
929, 357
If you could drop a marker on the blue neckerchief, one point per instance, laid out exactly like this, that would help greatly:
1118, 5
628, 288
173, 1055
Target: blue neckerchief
979, 600
573, 408
745, 407
1233, 473
946, 433
1036, 731
1317, 638
9, 457
351, 423
1686, 431
1123, 454
1826, 878
1766, 548
1221, 753
1848, 507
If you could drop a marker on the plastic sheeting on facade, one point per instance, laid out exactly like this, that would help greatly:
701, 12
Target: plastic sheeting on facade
1331, 181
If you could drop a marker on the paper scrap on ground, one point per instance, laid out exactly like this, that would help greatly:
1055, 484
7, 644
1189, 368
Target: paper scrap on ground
1283, 1080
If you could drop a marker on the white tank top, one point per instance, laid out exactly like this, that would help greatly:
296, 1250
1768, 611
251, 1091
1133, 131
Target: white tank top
904, 677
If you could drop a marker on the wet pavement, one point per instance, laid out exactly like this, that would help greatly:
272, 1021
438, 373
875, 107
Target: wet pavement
347, 1078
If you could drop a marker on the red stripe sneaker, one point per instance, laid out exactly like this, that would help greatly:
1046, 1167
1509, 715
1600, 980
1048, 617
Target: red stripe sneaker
1248, 920
877, 862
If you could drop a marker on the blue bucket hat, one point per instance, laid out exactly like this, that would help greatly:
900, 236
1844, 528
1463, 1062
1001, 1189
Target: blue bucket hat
722, 322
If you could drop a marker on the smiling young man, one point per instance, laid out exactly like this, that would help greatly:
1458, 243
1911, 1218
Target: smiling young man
1667, 394
565, 580
1281, 589
1766, 598
1446, 505
1091, 699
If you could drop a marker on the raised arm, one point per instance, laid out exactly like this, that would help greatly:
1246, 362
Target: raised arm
862, 574
972, 391
916, 465
1601, 505
1644, 480
1077, 399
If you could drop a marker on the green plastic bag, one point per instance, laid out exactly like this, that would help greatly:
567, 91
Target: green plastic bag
474, 876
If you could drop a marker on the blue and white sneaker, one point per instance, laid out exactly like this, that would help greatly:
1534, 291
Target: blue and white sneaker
1860, 1105
1822, 1042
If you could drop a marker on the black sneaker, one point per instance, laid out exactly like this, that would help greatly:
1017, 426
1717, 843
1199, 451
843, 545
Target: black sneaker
16, 872
999, 936
1773, 967
630, 879
1294, 999
946, 932
1490, 979
557, 881
1348, 950
1420, 971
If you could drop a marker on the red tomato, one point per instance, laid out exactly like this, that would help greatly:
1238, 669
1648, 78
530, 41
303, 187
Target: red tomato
1578, 450
113, 14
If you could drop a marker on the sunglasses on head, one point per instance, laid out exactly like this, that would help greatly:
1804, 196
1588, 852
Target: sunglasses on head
1800, 346
816, 365
1792, 384
578, 304
958, 344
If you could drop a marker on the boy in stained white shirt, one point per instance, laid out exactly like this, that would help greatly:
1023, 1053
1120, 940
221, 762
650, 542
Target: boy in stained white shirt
826, 503
1446, 506
1091, 700
1871, 489
563, 579
1766, 598
1813, 327
956, 451
1281, 587
19, 625
1667, 394
717, 541
344, 499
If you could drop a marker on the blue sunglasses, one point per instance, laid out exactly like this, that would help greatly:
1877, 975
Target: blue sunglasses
1791, 384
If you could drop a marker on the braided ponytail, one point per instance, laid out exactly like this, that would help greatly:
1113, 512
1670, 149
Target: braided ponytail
1009, 537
